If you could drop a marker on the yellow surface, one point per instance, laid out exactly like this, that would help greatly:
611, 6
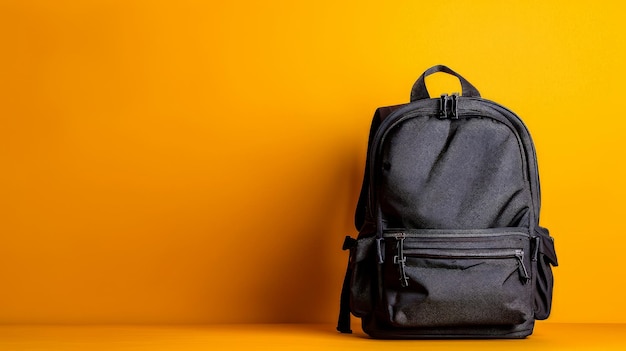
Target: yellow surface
199, 161
553, 336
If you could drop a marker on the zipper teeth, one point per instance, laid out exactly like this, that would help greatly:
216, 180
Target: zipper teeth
517, 254
454, 235
428, 253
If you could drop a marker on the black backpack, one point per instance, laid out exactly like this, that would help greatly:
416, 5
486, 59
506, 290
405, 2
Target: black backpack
449, 242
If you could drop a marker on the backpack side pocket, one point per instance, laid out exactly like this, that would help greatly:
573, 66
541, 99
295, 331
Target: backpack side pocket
363, 262
546, 258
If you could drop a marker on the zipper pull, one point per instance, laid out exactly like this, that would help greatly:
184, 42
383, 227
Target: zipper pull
380, 250
454, 108
443, 106
524, 276
400, 260
536, 242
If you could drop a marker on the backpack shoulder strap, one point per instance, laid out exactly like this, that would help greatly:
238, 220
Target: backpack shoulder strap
343, 324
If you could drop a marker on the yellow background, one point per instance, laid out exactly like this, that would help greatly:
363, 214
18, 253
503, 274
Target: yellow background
199, 161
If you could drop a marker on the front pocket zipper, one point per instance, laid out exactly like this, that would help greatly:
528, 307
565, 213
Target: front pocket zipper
456, 278
400, 259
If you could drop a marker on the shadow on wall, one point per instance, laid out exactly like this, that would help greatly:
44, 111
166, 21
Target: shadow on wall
293, 264
311, 262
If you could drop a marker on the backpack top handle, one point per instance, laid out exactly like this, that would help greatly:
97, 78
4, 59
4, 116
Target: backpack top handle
419, 91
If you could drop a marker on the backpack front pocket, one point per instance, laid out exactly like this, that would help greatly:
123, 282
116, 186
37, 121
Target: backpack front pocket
459, 278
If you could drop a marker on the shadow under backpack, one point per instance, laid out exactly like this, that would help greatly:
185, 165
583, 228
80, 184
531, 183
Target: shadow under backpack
449, 242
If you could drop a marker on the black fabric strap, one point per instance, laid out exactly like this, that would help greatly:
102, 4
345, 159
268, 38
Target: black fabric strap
546, 246
419, 91
343, 324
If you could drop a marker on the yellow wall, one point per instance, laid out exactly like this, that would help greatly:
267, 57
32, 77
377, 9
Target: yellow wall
199, 161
